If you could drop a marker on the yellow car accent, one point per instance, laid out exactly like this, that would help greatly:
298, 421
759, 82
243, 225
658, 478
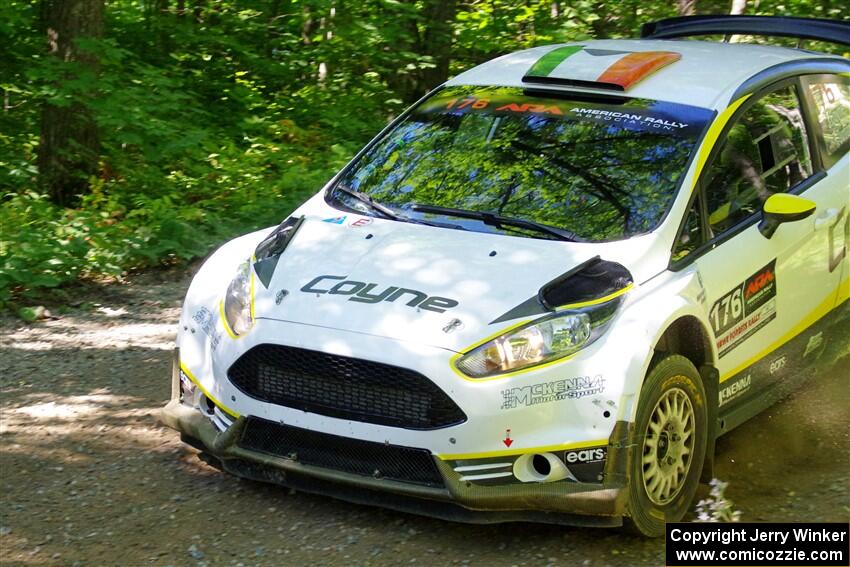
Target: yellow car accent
507, 452
224, 321
457, 371
720, 214
785, 204
227, 328
206, 392
819, 312
597, 301
713, 134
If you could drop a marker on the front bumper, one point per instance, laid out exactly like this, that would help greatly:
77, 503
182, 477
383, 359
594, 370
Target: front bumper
569, 503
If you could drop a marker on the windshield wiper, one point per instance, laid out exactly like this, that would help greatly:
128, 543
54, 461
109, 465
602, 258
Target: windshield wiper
388, 212
492, 219
372, 204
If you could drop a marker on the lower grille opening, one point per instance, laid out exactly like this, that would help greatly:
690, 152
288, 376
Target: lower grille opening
354, 456
343, 387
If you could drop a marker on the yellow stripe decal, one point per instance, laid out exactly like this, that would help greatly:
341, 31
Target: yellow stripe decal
224, 321
206, 392
820, 311
505, 453
597, 301
714, 133
251, 269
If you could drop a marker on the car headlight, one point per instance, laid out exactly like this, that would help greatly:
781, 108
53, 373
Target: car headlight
237, 307
545, 340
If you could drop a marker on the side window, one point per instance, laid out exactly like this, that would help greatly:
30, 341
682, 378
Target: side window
831, 96
691, 236
765, 152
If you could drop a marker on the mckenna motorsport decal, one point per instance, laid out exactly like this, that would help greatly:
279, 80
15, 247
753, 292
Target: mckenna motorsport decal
744, 310
735, 389
361, 292
204, 318
585, 455
569, 388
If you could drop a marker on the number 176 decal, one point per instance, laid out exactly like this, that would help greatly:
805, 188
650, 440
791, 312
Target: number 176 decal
745, 309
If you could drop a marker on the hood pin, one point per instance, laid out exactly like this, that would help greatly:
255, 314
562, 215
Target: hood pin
280, 296
453, 324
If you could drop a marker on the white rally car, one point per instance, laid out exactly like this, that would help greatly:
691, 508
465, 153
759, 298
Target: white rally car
545, 290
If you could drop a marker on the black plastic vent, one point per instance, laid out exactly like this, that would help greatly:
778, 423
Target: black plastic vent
354, 456
343, 387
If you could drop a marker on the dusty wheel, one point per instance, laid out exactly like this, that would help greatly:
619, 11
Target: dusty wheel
670, 440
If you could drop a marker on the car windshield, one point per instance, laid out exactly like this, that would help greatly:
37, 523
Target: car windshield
600, 168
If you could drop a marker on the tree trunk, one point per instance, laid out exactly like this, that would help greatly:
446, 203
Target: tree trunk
437, 42
686, 7
738, 7
69, 146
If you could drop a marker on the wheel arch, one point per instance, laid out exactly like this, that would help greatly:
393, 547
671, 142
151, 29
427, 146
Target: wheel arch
688, 336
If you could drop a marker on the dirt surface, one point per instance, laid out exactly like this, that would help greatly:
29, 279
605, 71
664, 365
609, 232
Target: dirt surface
88, 476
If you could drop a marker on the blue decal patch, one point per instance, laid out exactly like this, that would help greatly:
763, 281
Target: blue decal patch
335, 220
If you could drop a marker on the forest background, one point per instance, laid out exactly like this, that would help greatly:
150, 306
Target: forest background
138, 133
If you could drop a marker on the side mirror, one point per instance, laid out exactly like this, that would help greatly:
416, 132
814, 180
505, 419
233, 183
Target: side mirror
782, 207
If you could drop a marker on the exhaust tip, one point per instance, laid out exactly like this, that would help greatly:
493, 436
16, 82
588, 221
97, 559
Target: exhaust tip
541, 467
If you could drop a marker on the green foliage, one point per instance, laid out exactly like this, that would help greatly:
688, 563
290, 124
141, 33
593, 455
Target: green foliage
220, 118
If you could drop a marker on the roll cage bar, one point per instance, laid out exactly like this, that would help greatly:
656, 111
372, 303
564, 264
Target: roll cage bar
832, 31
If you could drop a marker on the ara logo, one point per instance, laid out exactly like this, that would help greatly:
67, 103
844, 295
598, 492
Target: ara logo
363, 292
585, 456
533, 108
758, 282
335, 220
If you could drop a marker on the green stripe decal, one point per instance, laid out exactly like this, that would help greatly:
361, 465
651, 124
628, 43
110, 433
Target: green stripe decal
548, 62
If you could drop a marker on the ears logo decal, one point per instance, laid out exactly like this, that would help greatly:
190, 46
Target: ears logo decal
335, 220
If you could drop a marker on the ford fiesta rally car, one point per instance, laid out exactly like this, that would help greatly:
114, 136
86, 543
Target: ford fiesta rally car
545, 290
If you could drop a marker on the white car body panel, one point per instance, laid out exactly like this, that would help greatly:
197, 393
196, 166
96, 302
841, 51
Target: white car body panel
489, 274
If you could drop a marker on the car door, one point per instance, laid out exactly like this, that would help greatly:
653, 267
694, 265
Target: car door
761, 292
828, 100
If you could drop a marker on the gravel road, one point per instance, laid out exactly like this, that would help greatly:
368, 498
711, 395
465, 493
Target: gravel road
88, 476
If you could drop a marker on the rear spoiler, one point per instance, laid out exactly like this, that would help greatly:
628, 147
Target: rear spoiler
832, 31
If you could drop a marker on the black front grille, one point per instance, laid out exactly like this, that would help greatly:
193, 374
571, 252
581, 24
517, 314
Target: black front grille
365, 458
339, 386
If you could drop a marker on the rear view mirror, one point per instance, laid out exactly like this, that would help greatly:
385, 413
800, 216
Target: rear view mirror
782, 207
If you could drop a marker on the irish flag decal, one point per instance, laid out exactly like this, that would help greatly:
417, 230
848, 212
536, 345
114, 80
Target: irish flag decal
579, 66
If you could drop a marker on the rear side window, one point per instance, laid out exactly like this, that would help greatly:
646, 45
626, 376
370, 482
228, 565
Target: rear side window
766, 151
831, 98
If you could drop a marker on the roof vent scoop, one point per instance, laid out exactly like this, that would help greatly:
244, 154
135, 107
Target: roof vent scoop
592, 280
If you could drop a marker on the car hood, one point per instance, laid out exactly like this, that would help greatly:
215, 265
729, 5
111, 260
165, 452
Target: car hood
428, 285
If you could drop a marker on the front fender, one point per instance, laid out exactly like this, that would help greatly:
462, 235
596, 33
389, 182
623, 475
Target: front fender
656, 306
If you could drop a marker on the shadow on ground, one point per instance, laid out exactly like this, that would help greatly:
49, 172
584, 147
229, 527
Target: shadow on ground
88, 477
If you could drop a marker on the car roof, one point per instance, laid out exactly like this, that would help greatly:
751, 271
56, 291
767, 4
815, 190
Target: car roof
706, 74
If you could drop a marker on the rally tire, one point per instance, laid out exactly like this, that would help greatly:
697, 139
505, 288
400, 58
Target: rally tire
670, 437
